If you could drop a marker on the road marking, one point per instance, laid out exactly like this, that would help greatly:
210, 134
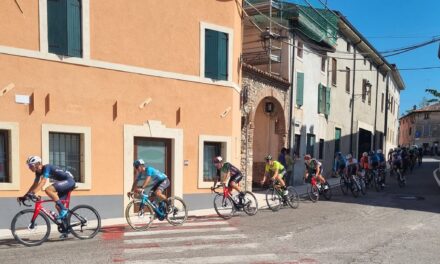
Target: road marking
181, 239
436, 177
211, 260
188, 247
179, 231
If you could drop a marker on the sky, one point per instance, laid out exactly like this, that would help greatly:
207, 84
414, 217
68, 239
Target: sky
392, 24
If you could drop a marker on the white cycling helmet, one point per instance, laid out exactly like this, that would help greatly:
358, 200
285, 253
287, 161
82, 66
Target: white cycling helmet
379, 151
349, 156
217, 159
33, 160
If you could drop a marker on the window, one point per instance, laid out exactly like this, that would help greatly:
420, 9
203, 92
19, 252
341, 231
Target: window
323, 100
300, 49
369, 92
337, 140
347, 79
69, 147
64, 27
321, 149
364, 90
216, 55
391, 104
210, 147
409, 132
299, 89
365, 61
382, 103
426, 116
334, 71
323, 61
4, 157
348, 47
65, 152
310, 144
9, 156
371, 66
210, 151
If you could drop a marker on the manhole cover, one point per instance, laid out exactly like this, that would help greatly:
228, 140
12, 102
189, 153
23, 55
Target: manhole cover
411, 197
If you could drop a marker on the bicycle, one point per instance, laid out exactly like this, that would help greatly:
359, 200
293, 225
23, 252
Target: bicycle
31, 227
225, 204
141, 212
352, 183
275, 197
315, 189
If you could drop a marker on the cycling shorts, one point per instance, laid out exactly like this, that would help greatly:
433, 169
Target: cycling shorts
162, 185
63, 187
236, 178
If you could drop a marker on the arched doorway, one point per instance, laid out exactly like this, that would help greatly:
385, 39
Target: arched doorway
269, 134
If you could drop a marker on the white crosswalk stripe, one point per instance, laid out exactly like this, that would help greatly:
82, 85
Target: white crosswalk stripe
205, 238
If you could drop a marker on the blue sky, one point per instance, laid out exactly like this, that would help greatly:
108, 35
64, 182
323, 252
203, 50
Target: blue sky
391, 24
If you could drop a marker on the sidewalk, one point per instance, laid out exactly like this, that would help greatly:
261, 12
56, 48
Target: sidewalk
259, 194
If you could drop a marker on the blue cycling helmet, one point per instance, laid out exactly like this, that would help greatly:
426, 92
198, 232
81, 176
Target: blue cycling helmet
138, 163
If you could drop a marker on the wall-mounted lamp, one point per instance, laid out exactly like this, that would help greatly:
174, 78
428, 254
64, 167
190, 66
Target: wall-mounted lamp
226, 112
269, 107
145, 103
7, 88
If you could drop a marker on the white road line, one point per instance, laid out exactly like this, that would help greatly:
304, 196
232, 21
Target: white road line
206, 223
212, 260
130, 251
436, 177
182, 239
179, 231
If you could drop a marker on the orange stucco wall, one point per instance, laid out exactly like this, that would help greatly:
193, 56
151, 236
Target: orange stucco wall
162, 35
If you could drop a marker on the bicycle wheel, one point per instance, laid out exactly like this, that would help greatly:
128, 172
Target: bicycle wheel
400, 179
362, 186
273, 200
250, 204
292, 197
26, 233
344, 185
224, 206
139, 217
313, 192
354, 188
327, 192
84, 221
177, 213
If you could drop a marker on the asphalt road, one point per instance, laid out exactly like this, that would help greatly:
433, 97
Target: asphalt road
397, 225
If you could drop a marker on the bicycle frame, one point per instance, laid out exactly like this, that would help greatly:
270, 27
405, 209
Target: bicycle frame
227, 193
160, 214
39, 207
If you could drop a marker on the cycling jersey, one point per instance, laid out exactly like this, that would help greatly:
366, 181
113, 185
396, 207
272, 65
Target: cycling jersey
54, 173
156, 175
234, 172
381, 157
352, 166
339, 163
313, 165
274, 167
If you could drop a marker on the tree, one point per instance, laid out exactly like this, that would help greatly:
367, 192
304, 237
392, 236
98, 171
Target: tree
434, 93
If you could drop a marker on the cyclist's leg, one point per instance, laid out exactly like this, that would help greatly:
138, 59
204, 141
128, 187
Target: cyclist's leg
234, 183
160, 188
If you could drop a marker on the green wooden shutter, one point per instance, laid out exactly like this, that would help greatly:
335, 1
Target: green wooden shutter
320, 99
74, 48
211, 53
222, 56
299, 88
56, 26
327, 100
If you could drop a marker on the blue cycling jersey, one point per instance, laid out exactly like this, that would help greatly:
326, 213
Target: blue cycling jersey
381, 157
53, 172
155, 174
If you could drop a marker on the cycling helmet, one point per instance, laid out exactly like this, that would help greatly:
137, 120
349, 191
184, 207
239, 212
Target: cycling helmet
364, 154
349, 156
371, 153
217, 159
379, 151
138, 163
307, 157
268, 157
33, 160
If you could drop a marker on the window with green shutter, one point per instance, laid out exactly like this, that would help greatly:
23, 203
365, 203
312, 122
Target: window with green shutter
216, 55
320, 99
64, 27
327, 100
299, 89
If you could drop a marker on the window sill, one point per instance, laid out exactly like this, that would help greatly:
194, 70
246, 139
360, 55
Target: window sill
9, 186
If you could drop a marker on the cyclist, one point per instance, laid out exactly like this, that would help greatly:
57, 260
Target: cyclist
382, 165
149, 176
64, 182
230, 174
339, 166
276, 171
364, 165
314, 167
352, 167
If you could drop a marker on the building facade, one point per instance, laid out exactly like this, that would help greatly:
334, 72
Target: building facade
421, 127
93, 85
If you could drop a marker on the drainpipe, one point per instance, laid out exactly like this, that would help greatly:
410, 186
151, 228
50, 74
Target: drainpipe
375, 110
386, 109
292, 107
352, 96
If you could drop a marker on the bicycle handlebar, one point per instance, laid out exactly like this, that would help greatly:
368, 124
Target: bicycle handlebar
29, 196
